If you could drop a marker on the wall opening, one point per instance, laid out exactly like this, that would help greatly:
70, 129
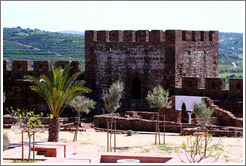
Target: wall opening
136, 88
184, 116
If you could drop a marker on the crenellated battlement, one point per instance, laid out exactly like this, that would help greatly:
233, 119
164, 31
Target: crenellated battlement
214, 88
153, 36
204, 36
23, 67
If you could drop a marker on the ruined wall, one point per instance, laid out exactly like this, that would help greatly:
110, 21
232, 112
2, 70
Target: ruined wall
149, 58
231, 100
17, 91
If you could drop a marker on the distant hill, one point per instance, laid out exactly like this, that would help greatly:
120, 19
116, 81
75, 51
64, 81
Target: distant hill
80, 33
34, 44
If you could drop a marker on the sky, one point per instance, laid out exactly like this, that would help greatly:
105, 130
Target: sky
125, 15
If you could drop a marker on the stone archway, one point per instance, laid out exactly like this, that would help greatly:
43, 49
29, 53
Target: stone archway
136, 88
185, 104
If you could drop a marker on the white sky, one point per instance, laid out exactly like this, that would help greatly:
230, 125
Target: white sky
125, 15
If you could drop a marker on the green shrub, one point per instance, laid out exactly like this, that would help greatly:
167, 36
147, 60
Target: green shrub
5, 142
129, 132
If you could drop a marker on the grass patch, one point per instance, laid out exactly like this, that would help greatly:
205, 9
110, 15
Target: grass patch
63, 140
168, 149
145, 150
24, 161
86, 143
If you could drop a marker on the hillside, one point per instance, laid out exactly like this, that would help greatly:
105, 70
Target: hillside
34, 44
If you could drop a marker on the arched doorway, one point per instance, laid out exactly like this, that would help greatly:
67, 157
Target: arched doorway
136, 88
184, 115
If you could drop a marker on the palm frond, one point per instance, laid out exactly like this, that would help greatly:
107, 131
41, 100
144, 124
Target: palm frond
57, 89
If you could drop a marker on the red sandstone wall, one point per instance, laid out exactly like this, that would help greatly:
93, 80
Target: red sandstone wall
214, 88
197, 56
224, 117
125, 55
17, 91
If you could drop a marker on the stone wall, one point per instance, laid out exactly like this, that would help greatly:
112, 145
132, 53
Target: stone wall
214, 88
198, 55
148, 58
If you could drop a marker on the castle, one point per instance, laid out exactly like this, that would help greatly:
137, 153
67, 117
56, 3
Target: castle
143, 59
184, 62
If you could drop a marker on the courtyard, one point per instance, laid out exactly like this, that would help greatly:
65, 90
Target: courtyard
92, 142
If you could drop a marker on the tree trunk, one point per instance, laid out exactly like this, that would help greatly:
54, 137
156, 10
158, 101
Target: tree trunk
77, 128
159, 136
54, 128
29, 153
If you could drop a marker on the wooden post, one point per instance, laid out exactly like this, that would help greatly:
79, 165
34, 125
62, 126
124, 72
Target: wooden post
114, 135
22, 145
107, 136
205, 148
33, 146
155, 130
159, 134
196, 141
164, 129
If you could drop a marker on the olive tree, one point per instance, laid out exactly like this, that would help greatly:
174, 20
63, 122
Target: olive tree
81, 104
202, 113
111, 98
158, 99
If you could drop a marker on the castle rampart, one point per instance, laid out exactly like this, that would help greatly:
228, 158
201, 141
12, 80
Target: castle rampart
23, 67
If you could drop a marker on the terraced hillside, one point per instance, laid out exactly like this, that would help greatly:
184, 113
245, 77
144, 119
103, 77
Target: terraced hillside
34, 44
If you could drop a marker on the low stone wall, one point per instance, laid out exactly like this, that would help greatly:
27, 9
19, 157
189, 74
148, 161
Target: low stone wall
224, 117
229, 132
138, 121
234, 107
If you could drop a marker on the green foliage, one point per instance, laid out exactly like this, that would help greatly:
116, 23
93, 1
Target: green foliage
230, 44
129, 133
158, 98
5, 142
27, 121
58, 90
82, 104
21, 44
24, 161
168, 149
111, 96
202, 113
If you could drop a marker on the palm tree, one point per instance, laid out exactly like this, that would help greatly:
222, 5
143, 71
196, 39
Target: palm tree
57, 90
111, 98
81, 104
